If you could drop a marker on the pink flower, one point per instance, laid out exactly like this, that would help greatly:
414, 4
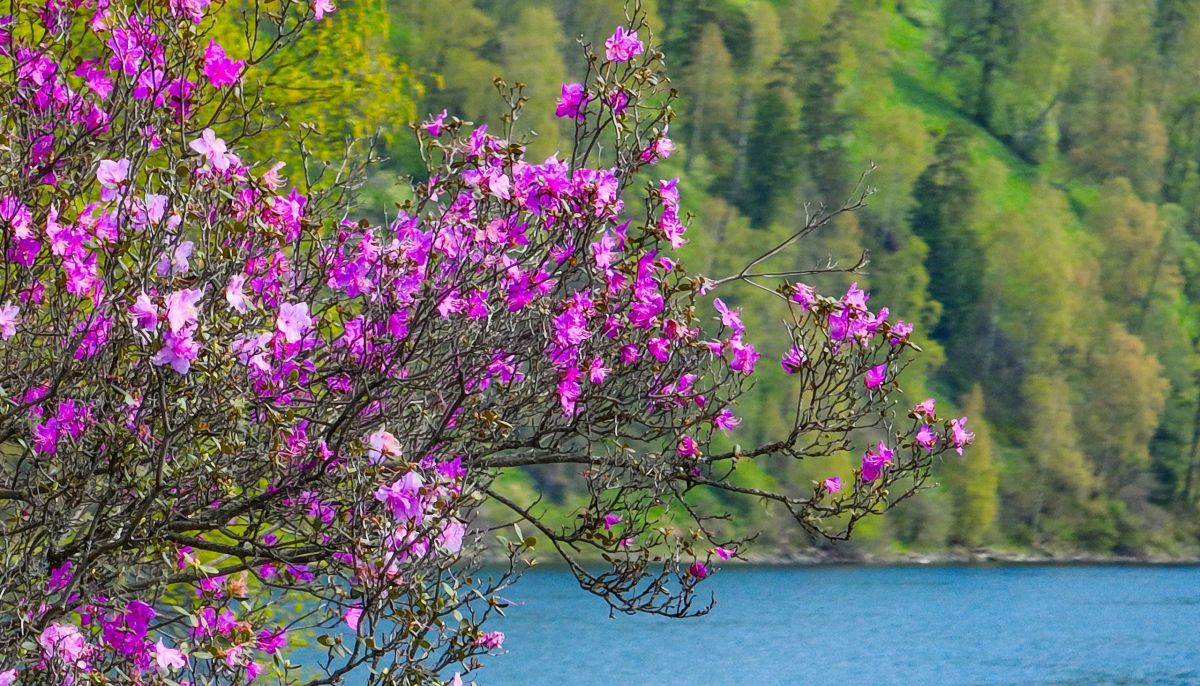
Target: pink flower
959, 435
724, 553
112, 175
611, 520
872, 466
8, 320
597, 372
925, 407
899, 332
434, 125
352, 617
572, 101
875, 376
220, 70
213, 149
293, 320
725, 420
833, 484
271, 641
793, 361
618, 101
730, 318
659, 149
381, 446
144, 313
404, 498
744, 356
803, 295
698, 570
168, 658
926, 438
687, 447
271, 177
622, 46
63, 642
234, 295
491, 640
181, 308
451, 538
321, 8
178, 351
8, 677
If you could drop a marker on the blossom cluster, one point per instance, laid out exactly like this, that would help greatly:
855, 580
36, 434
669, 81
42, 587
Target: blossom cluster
222, 394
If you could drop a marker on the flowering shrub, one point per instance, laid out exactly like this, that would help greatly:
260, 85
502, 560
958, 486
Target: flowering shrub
230, 415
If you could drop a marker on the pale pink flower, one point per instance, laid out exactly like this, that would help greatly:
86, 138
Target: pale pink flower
293, 320
234, 295
168, 658
144, 313
321, 8
8, 320
181, 308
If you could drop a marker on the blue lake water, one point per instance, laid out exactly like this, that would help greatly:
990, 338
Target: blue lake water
868, 625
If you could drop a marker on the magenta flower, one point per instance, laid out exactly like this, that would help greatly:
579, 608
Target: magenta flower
875, 376
112, 174
744, 356
271, 642
925, 407
659, 149
8, 320
434, 125
352, 617
611, 520
572, 102
8, 677
730, 318
687, 447
404, 498
698, 570
926, 438
794, 360
959, 435
872, 466
725, 420
899, 332
724, 553
491, 640
178, 351
623, 46
220, 70
618, 101
833, 484
60, 576
293, 320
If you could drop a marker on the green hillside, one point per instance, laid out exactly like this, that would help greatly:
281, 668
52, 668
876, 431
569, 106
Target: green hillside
1037, 210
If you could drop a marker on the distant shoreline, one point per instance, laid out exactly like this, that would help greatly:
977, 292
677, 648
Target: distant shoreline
959, 557
982, 557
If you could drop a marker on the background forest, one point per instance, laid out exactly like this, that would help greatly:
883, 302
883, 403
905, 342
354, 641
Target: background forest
1037, 214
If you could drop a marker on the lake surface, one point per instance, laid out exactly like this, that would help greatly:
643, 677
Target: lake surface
868, 625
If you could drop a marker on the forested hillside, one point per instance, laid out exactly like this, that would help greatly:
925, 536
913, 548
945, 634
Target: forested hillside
1037, 166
